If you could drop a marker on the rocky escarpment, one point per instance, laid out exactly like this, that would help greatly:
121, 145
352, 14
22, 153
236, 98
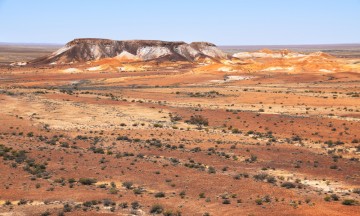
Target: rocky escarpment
88, 49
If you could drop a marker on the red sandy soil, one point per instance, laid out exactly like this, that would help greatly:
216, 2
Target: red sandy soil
283, 121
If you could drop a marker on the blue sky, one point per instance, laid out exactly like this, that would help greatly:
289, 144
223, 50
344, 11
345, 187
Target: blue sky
224, 22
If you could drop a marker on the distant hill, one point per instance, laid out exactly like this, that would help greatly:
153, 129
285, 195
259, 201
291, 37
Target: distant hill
338, 50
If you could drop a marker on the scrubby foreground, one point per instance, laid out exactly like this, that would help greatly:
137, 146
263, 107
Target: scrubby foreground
179, 139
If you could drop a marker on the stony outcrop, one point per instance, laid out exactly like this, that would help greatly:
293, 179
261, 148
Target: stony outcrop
88, 49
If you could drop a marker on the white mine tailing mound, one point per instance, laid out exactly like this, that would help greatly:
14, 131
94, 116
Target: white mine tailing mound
127, 56
260, 54
225, 69
278, 68
232, 78
71, 70
96, 68
18, 64
235, 78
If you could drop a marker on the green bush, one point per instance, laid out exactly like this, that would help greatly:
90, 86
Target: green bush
350, 202
258, 201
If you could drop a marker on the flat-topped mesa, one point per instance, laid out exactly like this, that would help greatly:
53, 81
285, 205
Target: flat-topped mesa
100, 41
89, 49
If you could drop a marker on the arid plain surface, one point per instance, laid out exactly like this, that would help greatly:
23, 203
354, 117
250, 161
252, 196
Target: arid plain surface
180, 138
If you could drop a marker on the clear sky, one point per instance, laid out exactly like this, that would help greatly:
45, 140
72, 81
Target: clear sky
224, 22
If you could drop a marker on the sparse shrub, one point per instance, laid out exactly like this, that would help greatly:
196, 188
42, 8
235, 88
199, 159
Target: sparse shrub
271, 179
356, 190
71, 180
46, 213
156, 209
123, 205
158, 125
160, 195
87, 203
22, 202
67, 208
182, 194
260, 176
226, 201
113, 190
171, 213
252, 159
288, 185
127, 184
138, 190
259, 201
350, 202
333, 167
237, 176
175, 117
235, 131
98, 150
198, 120
334, 197
266, 199
123, 138
108, 202
87, 181
211, 170
135, 205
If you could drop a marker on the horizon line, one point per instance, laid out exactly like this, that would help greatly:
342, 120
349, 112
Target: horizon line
222, 45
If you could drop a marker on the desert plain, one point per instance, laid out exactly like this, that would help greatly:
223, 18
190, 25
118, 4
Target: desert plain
261, 133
